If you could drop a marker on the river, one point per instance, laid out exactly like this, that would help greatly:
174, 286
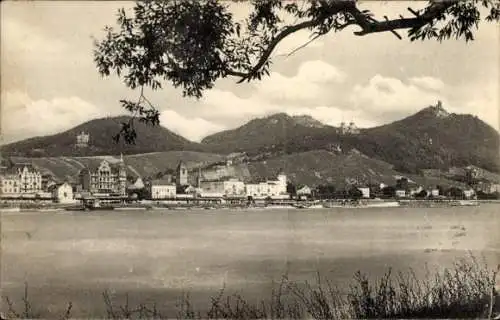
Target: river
157, 255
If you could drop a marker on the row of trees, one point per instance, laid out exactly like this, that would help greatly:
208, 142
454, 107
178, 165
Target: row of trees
329, 191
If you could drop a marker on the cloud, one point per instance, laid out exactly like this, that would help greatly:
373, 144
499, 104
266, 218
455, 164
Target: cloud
484, 102
312, 81
319, 71
194, 129
429, 83
385, 95
24, 117
20, 40
224, 105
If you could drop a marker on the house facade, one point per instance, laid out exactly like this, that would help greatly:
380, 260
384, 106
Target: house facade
400, 193
104, 178
270, 188
230, 187
82, 140
365, 192
162, 189
31, 179
62, 193
304, 191
469, 194
21, 179
10, 184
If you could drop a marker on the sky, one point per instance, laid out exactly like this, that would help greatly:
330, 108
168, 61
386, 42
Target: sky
49, 82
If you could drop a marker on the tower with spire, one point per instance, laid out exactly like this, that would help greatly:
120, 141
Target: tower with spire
198, 182
122, 176
181, 174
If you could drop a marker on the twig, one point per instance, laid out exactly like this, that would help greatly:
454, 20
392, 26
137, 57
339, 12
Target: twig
304, 45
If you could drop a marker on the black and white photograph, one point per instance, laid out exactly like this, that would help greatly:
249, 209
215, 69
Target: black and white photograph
250, 159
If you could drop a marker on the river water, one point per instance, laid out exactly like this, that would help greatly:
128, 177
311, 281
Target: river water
159, 255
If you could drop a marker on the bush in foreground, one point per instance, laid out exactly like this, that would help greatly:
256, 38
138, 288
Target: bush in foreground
465, 291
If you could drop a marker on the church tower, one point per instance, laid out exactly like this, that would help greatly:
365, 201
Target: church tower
282, 179
122, 177
181, 174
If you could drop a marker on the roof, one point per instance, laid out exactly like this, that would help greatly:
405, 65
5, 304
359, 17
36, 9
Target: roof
54, 186
19, 167
94, 164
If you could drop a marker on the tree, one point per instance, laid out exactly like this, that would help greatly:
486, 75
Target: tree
326, 191
291, 189
355, 193
422, 194
389, 192
402, 183
440, 189
193, 43
455, 193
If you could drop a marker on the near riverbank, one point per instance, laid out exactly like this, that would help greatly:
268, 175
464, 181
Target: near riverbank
468, 290
284, 204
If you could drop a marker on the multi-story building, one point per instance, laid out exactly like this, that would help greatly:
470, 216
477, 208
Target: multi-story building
230, 187
10, 184
105, 178
30, 178
162, 189
270, 188
22, 178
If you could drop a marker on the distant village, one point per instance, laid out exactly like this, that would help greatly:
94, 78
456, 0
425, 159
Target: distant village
108, 181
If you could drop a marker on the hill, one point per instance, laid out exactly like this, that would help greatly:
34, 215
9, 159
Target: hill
431, 138
269, 134
317, 167
149, 139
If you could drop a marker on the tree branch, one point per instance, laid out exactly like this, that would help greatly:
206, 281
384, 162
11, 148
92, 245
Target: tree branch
356, 17
372, 26
267, 53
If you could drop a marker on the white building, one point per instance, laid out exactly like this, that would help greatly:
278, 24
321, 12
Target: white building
22, 178
231, 187
365, 192
469, 194
62, 193
82, 140
304, 191
138, 184
416, 190
162, 189
10, 184
271, 188
400, 193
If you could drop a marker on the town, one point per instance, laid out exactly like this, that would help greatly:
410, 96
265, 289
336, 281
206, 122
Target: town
107, 181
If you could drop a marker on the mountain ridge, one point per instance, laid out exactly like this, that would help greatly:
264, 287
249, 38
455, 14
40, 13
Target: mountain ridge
430, 138
149, 139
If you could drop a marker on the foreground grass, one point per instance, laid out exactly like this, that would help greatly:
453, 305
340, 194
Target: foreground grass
465, 291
